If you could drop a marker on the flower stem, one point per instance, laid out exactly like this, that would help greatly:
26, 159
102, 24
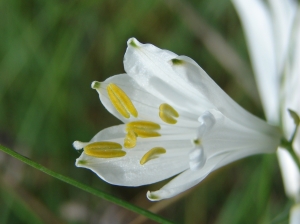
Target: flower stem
86, 188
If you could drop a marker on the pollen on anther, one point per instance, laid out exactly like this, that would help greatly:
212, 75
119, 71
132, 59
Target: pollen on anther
121, 101
130, 140
104, 150
144, 129
168, 114
151, 154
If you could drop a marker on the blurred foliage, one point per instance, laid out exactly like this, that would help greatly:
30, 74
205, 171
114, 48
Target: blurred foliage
50, 52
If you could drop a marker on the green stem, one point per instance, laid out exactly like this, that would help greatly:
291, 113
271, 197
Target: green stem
86, 188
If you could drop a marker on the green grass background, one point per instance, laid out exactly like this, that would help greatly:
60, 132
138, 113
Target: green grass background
50, 52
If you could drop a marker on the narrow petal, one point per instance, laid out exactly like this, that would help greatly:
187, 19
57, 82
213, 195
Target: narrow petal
185, 180
290, 173
283, 15
291, 100
261, 44
291, 85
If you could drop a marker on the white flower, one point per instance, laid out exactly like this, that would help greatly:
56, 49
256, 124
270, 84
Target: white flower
177, 121
273, 36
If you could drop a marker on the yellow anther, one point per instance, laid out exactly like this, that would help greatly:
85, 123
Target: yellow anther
104, 150
152, 154
143, 129
130, 140
121, 101
167, 113
143, 125
146, 133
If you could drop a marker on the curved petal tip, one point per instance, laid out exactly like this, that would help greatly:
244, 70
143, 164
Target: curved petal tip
95, 85
133, 42
153, 197
80, 163
79, 145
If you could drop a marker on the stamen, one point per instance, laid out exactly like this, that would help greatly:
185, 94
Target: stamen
121, 101
130, 139
143, 129
143, 125
152, 154
167, 113
104, 150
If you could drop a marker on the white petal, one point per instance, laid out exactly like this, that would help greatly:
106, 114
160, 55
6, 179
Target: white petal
185, 180
295, 214
127, 170
227, 136
150, 67
197, 77
291, 100
283, 15
261, 44
291, 86
290, 173
146, 104
190, 178
226, 142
